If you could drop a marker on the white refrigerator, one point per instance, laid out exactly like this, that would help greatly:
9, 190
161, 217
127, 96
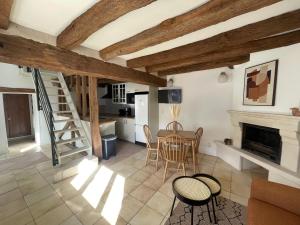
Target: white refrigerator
141, 116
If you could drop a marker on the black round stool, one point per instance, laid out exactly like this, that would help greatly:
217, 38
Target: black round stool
214, 186
191, 191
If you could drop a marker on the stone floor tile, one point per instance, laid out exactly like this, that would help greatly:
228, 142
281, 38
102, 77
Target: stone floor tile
32, 184
12, 208
21, 218
130, 185
42, 207
55, 216
71, 221
89, 215
140, 176
8, 187
153, 182
39, 195
103, 221
239, 199
160, 203
10, 196
142, 193
147, 216
130, 206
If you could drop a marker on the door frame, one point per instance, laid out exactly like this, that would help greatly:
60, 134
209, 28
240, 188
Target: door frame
28, 92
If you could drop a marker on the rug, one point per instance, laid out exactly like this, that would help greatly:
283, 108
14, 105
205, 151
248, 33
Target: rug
227, 213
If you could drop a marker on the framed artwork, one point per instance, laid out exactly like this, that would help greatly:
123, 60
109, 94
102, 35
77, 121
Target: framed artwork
260, 84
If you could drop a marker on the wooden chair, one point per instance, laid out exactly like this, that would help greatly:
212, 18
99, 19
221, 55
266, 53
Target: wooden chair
198, 134
174, 150
152, 147
174, 126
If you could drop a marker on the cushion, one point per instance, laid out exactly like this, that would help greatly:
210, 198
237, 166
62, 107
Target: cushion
262, 213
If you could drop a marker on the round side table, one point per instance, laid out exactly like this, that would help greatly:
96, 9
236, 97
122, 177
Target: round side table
214, 186
191, 191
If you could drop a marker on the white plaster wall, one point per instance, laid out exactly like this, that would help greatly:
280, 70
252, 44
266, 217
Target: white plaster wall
204, 104
288, 79
11, 77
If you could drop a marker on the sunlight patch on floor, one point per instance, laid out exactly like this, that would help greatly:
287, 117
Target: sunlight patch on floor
113, 203
96, 188
30, 147
85, 170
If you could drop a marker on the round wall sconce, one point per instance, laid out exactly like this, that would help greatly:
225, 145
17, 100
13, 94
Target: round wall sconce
223, 77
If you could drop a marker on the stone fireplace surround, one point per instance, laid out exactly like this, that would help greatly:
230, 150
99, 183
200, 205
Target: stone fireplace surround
289, 129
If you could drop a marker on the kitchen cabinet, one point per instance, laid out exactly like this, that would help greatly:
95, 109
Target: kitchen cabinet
119, 93
125, 129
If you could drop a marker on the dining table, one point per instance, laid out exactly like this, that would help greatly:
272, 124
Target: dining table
188, 136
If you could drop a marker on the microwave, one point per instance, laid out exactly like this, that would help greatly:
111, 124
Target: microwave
130, 98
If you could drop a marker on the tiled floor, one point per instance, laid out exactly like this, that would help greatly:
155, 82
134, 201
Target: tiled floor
119, 191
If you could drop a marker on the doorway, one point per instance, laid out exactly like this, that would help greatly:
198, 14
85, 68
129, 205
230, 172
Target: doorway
18, 116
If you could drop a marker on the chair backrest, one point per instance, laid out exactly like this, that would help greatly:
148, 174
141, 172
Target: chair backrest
174, 148
198, 134
174, 126
148, 135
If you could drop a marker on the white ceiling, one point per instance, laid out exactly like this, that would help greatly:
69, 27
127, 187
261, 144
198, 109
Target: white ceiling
52, 16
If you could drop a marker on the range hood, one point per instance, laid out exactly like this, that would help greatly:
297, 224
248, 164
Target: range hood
108, 91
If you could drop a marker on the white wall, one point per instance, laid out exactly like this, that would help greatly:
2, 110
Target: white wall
11, 77
204, 104
288, 79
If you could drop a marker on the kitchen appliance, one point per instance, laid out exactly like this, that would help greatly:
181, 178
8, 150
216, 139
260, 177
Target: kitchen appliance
122, 112
130, 98
141, 116
127, 111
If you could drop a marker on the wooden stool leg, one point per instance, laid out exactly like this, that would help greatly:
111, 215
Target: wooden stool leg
213, 206
157, 158
147, 157
173, 206
165, 173
192, 216
217, 204
208, 211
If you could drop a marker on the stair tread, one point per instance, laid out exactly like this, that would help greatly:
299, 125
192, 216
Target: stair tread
70, 140
68, 120
59, 103
73, 151
67, 130
68, 111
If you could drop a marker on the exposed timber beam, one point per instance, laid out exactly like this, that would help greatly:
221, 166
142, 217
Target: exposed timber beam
21, 51
94, 19
206, 66
16, 90
272, 26
5, 8
235, 51
210, 13
94, 118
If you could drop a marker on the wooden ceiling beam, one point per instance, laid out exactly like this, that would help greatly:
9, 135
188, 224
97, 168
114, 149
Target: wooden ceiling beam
95, 18
272, 26
5, 8
21, 51
210, 13
206, 66
235, 51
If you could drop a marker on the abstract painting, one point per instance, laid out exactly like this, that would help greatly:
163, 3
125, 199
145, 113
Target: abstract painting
260, 84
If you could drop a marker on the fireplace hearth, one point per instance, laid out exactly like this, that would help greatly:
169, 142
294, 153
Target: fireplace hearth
262, 141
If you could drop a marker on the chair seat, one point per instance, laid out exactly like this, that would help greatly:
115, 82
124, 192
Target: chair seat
213, 185
191, 189
260, 213
153, 145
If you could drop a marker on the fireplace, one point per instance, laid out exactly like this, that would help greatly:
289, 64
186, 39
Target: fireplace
262, 141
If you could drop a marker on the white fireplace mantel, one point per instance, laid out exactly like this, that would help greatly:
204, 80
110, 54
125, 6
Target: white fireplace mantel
289, 128
288, 172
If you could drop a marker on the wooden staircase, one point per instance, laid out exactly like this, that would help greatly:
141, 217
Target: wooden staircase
67, 133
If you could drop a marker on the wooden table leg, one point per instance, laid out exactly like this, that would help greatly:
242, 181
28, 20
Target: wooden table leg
157, 153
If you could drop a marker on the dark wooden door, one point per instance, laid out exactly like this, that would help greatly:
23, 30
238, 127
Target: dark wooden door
17, 115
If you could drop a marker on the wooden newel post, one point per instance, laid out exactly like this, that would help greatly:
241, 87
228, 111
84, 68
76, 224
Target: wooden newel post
94, 118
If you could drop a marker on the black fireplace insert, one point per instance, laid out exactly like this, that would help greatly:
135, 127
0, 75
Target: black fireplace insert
262, 141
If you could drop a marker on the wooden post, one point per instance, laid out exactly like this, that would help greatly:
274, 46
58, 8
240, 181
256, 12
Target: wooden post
83, 91
78, 95
94, 118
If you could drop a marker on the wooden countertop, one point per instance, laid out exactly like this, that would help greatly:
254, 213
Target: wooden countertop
101, 121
